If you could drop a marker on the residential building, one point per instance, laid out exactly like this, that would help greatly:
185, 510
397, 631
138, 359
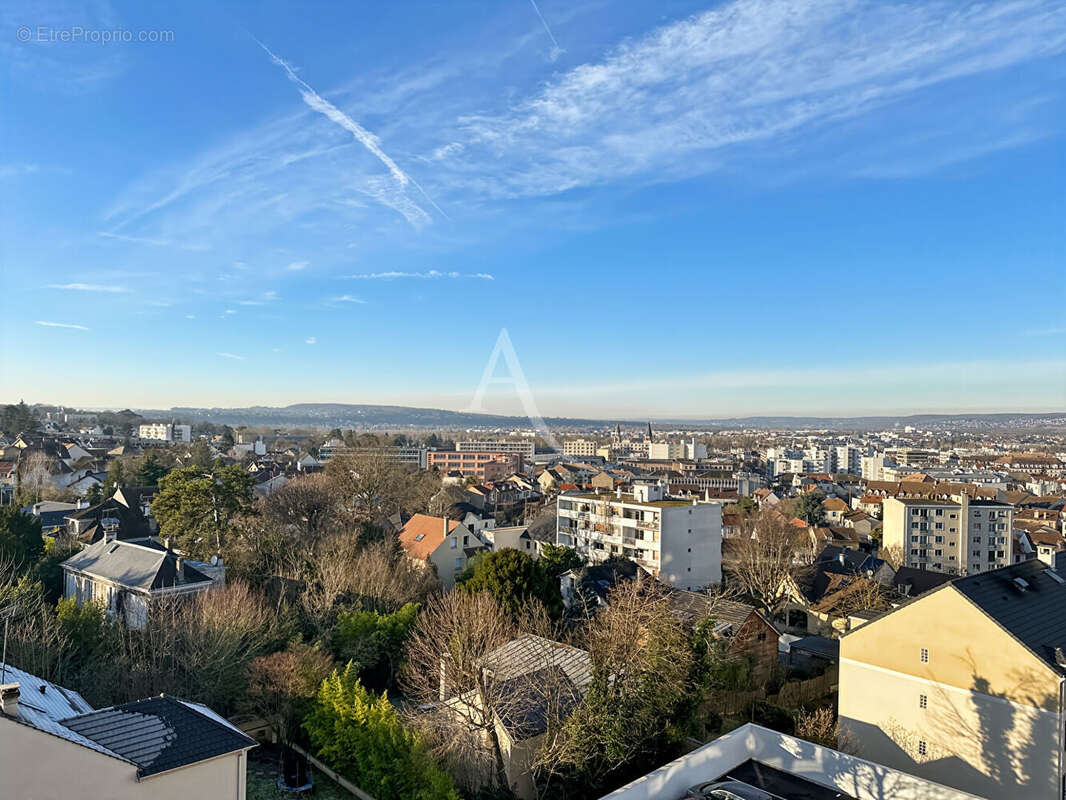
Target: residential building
965, 685
666, 451
481, 465
515, 537
524, 447
678, 541
443, 545
412, 456
772, 764
165, 432
129, 577
913, 456
541, 678
54, 746
960, 536
580, 447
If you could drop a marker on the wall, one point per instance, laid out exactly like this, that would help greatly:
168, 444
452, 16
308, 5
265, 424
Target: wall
703, 565
38, 766
992, 723
853, 776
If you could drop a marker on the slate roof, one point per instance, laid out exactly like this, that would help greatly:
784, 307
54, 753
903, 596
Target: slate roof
160, 733
538, 676
42, 704
142, 565
918, 581
1034, 614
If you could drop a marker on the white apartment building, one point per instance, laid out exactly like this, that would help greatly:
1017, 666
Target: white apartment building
668, 451
872, 468
846, 458
160, 432
960, 536
678, 541
579, 447
523, 448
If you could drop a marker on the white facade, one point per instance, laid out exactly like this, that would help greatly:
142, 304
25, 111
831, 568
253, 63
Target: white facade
678, 541
666, 451
851, 776
160, 432
525, 449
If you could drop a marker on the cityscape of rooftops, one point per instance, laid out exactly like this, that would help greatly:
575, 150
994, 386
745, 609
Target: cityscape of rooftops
533, 400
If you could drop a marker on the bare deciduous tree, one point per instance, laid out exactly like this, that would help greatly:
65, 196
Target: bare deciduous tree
310, 505
766, 558
466, 686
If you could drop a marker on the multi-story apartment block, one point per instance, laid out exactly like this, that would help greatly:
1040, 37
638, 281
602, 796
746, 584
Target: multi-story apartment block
580, 447
666, 451
960, 536
965, 685
484, 466
846, 458
160, 432
872, 468
523, 447
914, 456
679, 541
414, 456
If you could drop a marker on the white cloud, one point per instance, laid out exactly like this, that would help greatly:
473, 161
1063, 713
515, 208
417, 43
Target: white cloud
61, 325
297, 266
231, 356
261, 300
392, 195
348, 298
681, 99
430, 275
310, 340
89, 287
192, 246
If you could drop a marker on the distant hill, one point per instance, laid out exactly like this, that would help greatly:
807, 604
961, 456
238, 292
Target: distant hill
343, 415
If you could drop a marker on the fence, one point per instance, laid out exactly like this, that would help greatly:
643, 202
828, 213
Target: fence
790, 695
340, 780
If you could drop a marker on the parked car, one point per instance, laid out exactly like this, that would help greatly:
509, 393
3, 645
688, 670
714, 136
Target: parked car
727, 790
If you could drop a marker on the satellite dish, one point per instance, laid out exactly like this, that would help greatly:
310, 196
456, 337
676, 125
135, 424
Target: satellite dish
214, 561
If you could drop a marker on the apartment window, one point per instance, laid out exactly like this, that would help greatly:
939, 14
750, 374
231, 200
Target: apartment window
458, 563
453, 543
923, 655
923, 748
923, 701
940, 512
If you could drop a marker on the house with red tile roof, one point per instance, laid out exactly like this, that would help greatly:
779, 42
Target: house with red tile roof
443, 545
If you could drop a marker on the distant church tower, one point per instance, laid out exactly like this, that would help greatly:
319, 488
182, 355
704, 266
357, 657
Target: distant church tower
649, 430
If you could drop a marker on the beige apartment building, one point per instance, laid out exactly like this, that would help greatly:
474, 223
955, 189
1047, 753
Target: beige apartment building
678, 541
965, 684
959, 536
580, 447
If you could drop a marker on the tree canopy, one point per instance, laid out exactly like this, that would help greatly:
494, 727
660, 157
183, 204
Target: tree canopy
195, 507
360, 735
513, 578
20, 536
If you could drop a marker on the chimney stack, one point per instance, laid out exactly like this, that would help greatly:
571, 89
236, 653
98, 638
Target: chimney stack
9, 699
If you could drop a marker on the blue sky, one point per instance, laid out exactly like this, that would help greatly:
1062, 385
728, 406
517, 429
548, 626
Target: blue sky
675, 208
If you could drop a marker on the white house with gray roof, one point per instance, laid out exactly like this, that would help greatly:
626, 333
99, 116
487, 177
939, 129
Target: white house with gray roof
126, 577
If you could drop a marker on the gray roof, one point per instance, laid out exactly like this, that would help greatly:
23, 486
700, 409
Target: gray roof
160, 733
1033, 613
42, 704
142, 564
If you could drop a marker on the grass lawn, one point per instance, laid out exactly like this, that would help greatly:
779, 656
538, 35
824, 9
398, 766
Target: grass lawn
263, 771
